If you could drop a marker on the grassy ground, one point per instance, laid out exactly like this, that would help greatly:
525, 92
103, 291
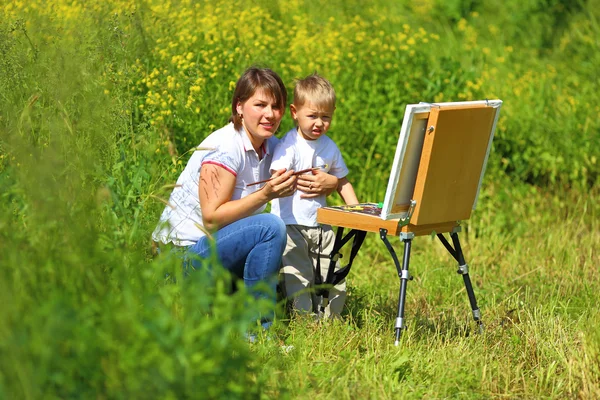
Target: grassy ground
536, 283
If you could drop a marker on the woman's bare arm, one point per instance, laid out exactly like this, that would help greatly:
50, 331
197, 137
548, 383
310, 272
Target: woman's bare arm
216, 188
316, 184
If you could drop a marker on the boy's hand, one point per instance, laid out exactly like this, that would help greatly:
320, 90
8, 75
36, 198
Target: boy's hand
316, 184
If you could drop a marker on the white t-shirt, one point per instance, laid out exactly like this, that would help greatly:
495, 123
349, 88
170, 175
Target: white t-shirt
231, 150
295, 152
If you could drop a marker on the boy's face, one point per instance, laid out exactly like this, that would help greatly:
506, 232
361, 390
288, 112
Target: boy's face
312, 121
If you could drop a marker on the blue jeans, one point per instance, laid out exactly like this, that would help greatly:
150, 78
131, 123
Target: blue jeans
250, 249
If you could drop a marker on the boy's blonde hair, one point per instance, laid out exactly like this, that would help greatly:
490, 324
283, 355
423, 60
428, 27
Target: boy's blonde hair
316, 89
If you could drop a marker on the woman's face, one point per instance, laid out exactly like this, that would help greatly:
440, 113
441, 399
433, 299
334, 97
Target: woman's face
261, 117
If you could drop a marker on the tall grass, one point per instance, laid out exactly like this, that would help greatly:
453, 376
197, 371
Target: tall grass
100, 103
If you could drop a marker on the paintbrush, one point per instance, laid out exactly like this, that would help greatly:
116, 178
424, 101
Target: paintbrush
295, 173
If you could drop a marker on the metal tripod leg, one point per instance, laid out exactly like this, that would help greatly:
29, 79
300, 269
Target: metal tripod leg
463, 269
402, 273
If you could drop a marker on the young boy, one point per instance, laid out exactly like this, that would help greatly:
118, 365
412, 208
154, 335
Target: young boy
307, 146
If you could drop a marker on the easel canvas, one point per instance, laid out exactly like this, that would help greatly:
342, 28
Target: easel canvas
434, 183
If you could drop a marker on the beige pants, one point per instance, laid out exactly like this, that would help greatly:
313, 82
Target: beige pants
299, 268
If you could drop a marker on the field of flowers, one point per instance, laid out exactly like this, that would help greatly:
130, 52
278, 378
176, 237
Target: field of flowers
101, 103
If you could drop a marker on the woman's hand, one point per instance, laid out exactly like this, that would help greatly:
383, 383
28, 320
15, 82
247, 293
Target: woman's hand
316, 184
282, 184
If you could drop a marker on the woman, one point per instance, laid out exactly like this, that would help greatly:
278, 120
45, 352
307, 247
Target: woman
212, 193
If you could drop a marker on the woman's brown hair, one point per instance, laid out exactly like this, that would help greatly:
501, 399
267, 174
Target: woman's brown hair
252, 79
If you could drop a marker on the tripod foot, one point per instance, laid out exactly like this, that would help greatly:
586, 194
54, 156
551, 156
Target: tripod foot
398, 328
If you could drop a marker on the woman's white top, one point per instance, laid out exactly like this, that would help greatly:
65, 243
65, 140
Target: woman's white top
229, 149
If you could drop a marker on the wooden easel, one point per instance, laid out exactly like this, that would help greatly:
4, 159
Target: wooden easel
440, 160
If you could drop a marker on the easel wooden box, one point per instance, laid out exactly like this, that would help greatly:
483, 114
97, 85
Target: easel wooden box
438, 167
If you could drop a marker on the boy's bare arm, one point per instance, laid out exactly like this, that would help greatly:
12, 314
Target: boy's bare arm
346, 190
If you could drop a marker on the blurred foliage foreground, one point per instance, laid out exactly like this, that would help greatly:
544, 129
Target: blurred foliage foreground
101, 102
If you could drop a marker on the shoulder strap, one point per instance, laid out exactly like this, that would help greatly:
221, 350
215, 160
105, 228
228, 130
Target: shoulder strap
334, 277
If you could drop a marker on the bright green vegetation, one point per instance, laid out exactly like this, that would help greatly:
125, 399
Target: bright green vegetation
101, 102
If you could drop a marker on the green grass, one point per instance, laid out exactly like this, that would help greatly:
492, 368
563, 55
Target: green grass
536, 287
100, 103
